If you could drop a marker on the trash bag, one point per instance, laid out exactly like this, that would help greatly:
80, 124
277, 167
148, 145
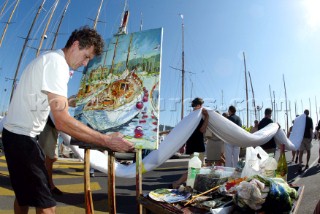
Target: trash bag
254, 161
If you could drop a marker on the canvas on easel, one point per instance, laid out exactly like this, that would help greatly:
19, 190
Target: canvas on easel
119, 90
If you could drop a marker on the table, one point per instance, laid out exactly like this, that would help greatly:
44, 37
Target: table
152, 206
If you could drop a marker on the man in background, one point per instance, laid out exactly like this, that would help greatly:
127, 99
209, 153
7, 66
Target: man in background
195, 143
255, 127
231, 151
306, 141
270, 146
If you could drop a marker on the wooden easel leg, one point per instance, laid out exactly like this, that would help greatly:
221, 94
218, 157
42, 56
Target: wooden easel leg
139, 178
87, 190
111, 183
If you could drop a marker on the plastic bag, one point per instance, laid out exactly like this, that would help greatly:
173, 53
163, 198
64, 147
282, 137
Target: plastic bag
268, 167
253, 163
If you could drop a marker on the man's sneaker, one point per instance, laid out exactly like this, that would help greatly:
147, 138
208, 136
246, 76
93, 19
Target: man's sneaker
56, 191
307, 167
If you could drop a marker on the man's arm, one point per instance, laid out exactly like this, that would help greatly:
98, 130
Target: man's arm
64, 122
206, 119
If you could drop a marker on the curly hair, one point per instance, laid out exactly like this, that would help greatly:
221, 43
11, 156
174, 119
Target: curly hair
87, 37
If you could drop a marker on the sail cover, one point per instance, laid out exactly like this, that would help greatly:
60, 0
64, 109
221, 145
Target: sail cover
222, 127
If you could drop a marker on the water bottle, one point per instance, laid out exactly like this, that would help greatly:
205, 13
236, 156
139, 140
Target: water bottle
194, 167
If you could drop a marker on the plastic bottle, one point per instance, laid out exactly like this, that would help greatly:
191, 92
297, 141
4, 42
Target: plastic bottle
194, 167
282, 168
270, 167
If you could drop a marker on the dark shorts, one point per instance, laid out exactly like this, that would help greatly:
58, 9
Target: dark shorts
28, 174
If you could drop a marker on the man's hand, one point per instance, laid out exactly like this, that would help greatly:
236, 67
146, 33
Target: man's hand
116, 143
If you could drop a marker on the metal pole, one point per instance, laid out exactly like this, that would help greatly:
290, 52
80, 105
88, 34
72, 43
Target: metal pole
245, 76
315, 100
182, 70
59, 25
46, 27
270, 96
274, 106
253, 100
285, 92
8, 22
97, 17
23, 48
4, 6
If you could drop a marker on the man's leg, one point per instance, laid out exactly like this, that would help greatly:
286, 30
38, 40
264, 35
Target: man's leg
181, 180
49, 166
20, 209
308, 158
300, 160
297, 156
50, 210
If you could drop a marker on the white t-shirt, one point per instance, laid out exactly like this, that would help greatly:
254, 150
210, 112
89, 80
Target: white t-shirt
29, 108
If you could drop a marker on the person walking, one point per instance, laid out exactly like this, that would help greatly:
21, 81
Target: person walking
306, 141
231, 151
43, 88
270, 146
255, 127
195, 143
295, 154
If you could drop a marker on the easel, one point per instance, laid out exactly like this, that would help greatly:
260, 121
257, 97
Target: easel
112, 208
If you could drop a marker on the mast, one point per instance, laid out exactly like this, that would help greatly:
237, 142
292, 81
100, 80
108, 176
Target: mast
8, 22
295, 108
274, 106
290, 110
182, 68
245, 76
46, 27
4, 6
270, 96
253, 100
122, 30
309, 107
59, 25
285, 92
124, 20
222, 99
141, 21
98, 14
315, 101
129, 49
23, 48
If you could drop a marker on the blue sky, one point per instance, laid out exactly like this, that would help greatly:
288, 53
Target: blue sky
279, 38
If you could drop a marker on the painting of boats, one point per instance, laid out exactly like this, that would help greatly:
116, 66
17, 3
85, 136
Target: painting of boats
119, 90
